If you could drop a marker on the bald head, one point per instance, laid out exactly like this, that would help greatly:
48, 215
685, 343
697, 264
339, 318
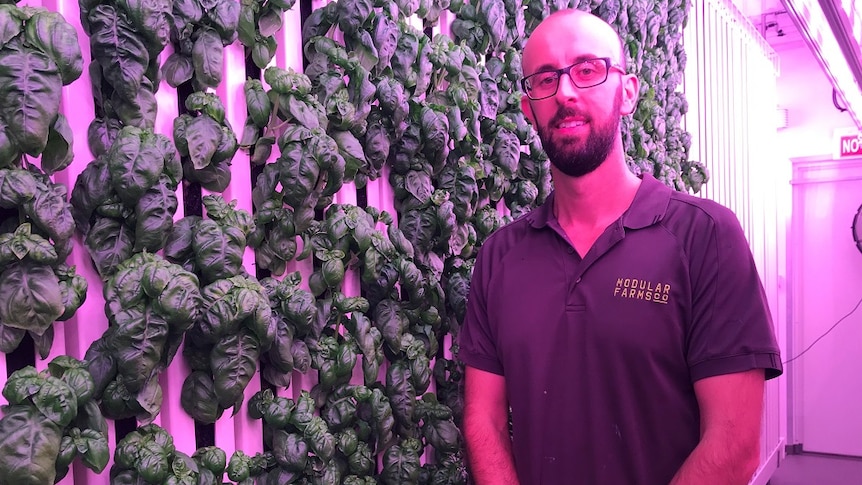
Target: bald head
565, 28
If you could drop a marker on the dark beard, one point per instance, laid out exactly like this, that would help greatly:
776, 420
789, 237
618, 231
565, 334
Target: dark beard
579, 161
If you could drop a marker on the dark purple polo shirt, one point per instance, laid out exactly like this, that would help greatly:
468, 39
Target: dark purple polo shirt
600, 353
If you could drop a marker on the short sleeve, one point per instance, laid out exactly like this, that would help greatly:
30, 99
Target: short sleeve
731, 328
476, 338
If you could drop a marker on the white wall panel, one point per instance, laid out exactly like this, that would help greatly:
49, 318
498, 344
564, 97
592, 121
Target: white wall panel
730, 84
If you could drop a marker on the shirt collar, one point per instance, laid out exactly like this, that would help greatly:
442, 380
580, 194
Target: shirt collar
648, 207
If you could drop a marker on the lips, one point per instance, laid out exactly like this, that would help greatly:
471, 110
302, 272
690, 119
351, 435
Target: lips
571, 124
567, 119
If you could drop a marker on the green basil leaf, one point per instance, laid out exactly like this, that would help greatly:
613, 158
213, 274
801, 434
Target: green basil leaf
187, 12
154, 216
92, 189
419, 185
402, 395
23, 244
90, 417
29, 445
301, 356
58, 152
96, 454
22, 384
43, 343
319, 439
211, 458
148, 402
206, 103
246, 28
270, 23
152, 19
407, 7
213, 177
262, 150
30, 88
385, 36
361, 462
202, 135
16, 188
351, 150
50, 32
101, 363
443, 435
352, 14
29, 297
119, 50
50, 212
207, 57
238, 467
219, 312
298, 174
10, 338
154, 277
10, 24
109, 242
363, 46
234, 361
67, 453
404, 58
8, 151
319, 22
226, 148
381, 411
198, 398
339, 415
135, 162
287, 81
224, 17
81, 382
73, 290
180, 302
56, 401
290, 450
178, 247
153, 461
140, 340
400, 465
302, 113
101, 135
218, 250
178, 69
257, 102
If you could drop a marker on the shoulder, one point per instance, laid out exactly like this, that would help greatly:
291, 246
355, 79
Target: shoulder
506, 237
687, 213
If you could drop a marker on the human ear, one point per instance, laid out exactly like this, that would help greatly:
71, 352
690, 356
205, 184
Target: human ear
630, 88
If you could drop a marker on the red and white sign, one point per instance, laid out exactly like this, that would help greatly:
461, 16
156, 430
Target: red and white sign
847, 143
850, 146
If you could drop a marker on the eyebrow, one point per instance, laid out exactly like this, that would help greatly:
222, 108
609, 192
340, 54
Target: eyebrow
581, 58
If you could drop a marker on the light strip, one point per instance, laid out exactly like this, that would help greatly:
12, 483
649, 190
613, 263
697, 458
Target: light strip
844, 73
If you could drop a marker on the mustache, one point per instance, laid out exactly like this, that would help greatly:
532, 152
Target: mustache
564, 113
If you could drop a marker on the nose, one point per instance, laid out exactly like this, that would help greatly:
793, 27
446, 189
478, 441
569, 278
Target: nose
567, 89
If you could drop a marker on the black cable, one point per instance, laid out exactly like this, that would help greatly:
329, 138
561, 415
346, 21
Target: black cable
858, 303
835, 101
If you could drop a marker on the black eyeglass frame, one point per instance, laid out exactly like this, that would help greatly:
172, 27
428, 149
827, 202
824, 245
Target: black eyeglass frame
566, 70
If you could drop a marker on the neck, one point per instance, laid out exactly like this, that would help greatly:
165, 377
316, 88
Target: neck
597, 199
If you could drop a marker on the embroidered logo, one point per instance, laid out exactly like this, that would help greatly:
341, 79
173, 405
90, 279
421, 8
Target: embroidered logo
640, 289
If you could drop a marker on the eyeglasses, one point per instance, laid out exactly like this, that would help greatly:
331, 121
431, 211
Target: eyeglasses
584, 74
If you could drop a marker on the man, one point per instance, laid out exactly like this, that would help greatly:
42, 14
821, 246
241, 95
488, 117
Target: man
622, 322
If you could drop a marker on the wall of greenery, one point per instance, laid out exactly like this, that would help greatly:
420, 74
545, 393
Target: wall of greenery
380, 96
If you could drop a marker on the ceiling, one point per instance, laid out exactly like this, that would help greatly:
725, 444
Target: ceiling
770, 17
